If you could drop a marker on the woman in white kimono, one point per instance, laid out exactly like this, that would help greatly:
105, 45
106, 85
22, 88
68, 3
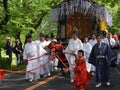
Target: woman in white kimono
74, 45
30, 52
87, 49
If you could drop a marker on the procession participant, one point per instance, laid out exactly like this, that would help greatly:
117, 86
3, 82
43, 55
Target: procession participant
116, 37
74, 45
44, 44
81, 74
117, 48
30, 52
55, 60
58, 49
87, 49
111, 40
102, 56
105, 38
93, 41
118, 56
54, 63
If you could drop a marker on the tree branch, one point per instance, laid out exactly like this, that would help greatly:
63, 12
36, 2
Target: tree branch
40, 20
6, 18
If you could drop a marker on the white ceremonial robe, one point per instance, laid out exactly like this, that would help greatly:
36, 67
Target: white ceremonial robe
44, 44
105, 40
93, 42
41, 52
73, 47
45, 69
30, 52
87, 49
112, 42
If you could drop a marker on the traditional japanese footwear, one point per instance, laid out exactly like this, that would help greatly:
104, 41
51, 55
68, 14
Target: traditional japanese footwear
45, 76
92, 73
31, 80
98, 85
49, 74
55, 68
72, 80
108, 83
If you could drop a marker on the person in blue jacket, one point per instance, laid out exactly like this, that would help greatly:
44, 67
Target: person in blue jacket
102, 57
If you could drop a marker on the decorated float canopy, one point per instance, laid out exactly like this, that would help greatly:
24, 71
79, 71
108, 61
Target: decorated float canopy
62, 12
69, 7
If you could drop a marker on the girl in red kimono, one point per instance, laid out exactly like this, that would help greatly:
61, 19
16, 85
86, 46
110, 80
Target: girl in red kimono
81, 75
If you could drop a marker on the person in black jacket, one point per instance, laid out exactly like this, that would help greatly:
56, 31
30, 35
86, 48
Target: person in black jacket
18, 51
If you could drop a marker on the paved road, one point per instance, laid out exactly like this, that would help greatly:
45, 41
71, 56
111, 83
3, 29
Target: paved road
55, 82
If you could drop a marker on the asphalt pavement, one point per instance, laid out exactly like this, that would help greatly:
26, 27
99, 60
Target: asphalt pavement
56, 82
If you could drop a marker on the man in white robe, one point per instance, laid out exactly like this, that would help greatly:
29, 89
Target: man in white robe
74, 45
87, 50
30, 52
111, 40
54, 62
115, 45
93, 41
43, 43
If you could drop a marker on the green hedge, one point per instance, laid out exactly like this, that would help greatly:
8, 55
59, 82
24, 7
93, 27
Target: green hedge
5, 63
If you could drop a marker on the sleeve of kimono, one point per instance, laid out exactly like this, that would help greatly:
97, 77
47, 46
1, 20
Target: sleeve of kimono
24, 53
88, 49
111, 56
70, 46
41, 51
91, 59
81, 45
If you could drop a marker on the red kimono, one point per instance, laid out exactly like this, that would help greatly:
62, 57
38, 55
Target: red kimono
81, 75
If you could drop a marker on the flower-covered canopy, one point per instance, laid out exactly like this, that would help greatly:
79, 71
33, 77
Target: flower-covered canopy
86, 7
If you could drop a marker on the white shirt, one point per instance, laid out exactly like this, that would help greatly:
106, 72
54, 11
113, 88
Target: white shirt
105, 40
87, 49
74, 46
44, 44
92, 42
112, 42
30, 50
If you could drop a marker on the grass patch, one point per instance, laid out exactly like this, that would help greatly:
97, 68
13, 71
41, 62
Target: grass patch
5, 62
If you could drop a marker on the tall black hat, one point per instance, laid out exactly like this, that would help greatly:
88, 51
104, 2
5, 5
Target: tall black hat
42, 35
75, 31
29, 36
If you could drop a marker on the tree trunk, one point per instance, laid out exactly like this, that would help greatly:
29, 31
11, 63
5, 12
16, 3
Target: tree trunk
40, 20
6, 18
0, 52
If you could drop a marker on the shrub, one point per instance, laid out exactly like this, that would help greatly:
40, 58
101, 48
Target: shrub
5, 63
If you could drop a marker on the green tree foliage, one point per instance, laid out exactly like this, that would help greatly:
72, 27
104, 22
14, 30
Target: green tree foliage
19, 17
24, 15
114, 8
